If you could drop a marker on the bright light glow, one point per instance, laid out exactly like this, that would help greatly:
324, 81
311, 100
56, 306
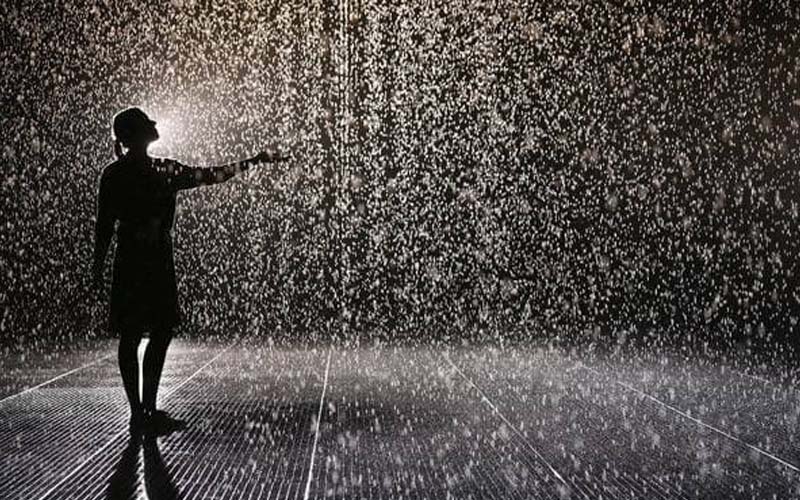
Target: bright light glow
168, 131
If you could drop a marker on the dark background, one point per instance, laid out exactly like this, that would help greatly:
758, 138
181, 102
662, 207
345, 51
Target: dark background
621, 172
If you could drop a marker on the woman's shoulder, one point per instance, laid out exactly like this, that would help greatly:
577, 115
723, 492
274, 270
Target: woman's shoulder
111, 170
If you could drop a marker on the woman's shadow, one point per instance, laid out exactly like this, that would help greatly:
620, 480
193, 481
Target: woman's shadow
124, 481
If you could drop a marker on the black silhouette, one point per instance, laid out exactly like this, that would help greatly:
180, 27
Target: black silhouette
158, 483
157, 478
138, 192
123, 482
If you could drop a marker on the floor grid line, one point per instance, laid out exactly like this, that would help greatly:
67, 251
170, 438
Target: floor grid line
696, 420
510, 425
70, 372
316, 431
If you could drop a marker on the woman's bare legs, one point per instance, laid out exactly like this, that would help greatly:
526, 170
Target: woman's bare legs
156, 422
154, 357
129, 370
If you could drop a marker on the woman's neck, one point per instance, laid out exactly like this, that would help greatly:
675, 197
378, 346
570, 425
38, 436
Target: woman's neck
138, 153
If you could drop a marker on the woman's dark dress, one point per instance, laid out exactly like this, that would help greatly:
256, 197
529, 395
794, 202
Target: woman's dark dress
140, 194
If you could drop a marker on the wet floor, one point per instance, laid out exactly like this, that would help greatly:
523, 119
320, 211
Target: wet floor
399, 422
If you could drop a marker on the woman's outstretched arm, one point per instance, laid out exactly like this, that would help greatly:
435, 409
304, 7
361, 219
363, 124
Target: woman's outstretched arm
103, 229
186, 177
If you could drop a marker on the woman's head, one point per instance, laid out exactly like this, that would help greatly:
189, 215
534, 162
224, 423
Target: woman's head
133, 129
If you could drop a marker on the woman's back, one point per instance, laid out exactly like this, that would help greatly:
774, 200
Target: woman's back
140, 194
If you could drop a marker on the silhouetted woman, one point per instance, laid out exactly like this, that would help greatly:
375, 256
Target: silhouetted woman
138, 192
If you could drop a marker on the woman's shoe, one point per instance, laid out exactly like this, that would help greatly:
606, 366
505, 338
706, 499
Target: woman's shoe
159, 423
